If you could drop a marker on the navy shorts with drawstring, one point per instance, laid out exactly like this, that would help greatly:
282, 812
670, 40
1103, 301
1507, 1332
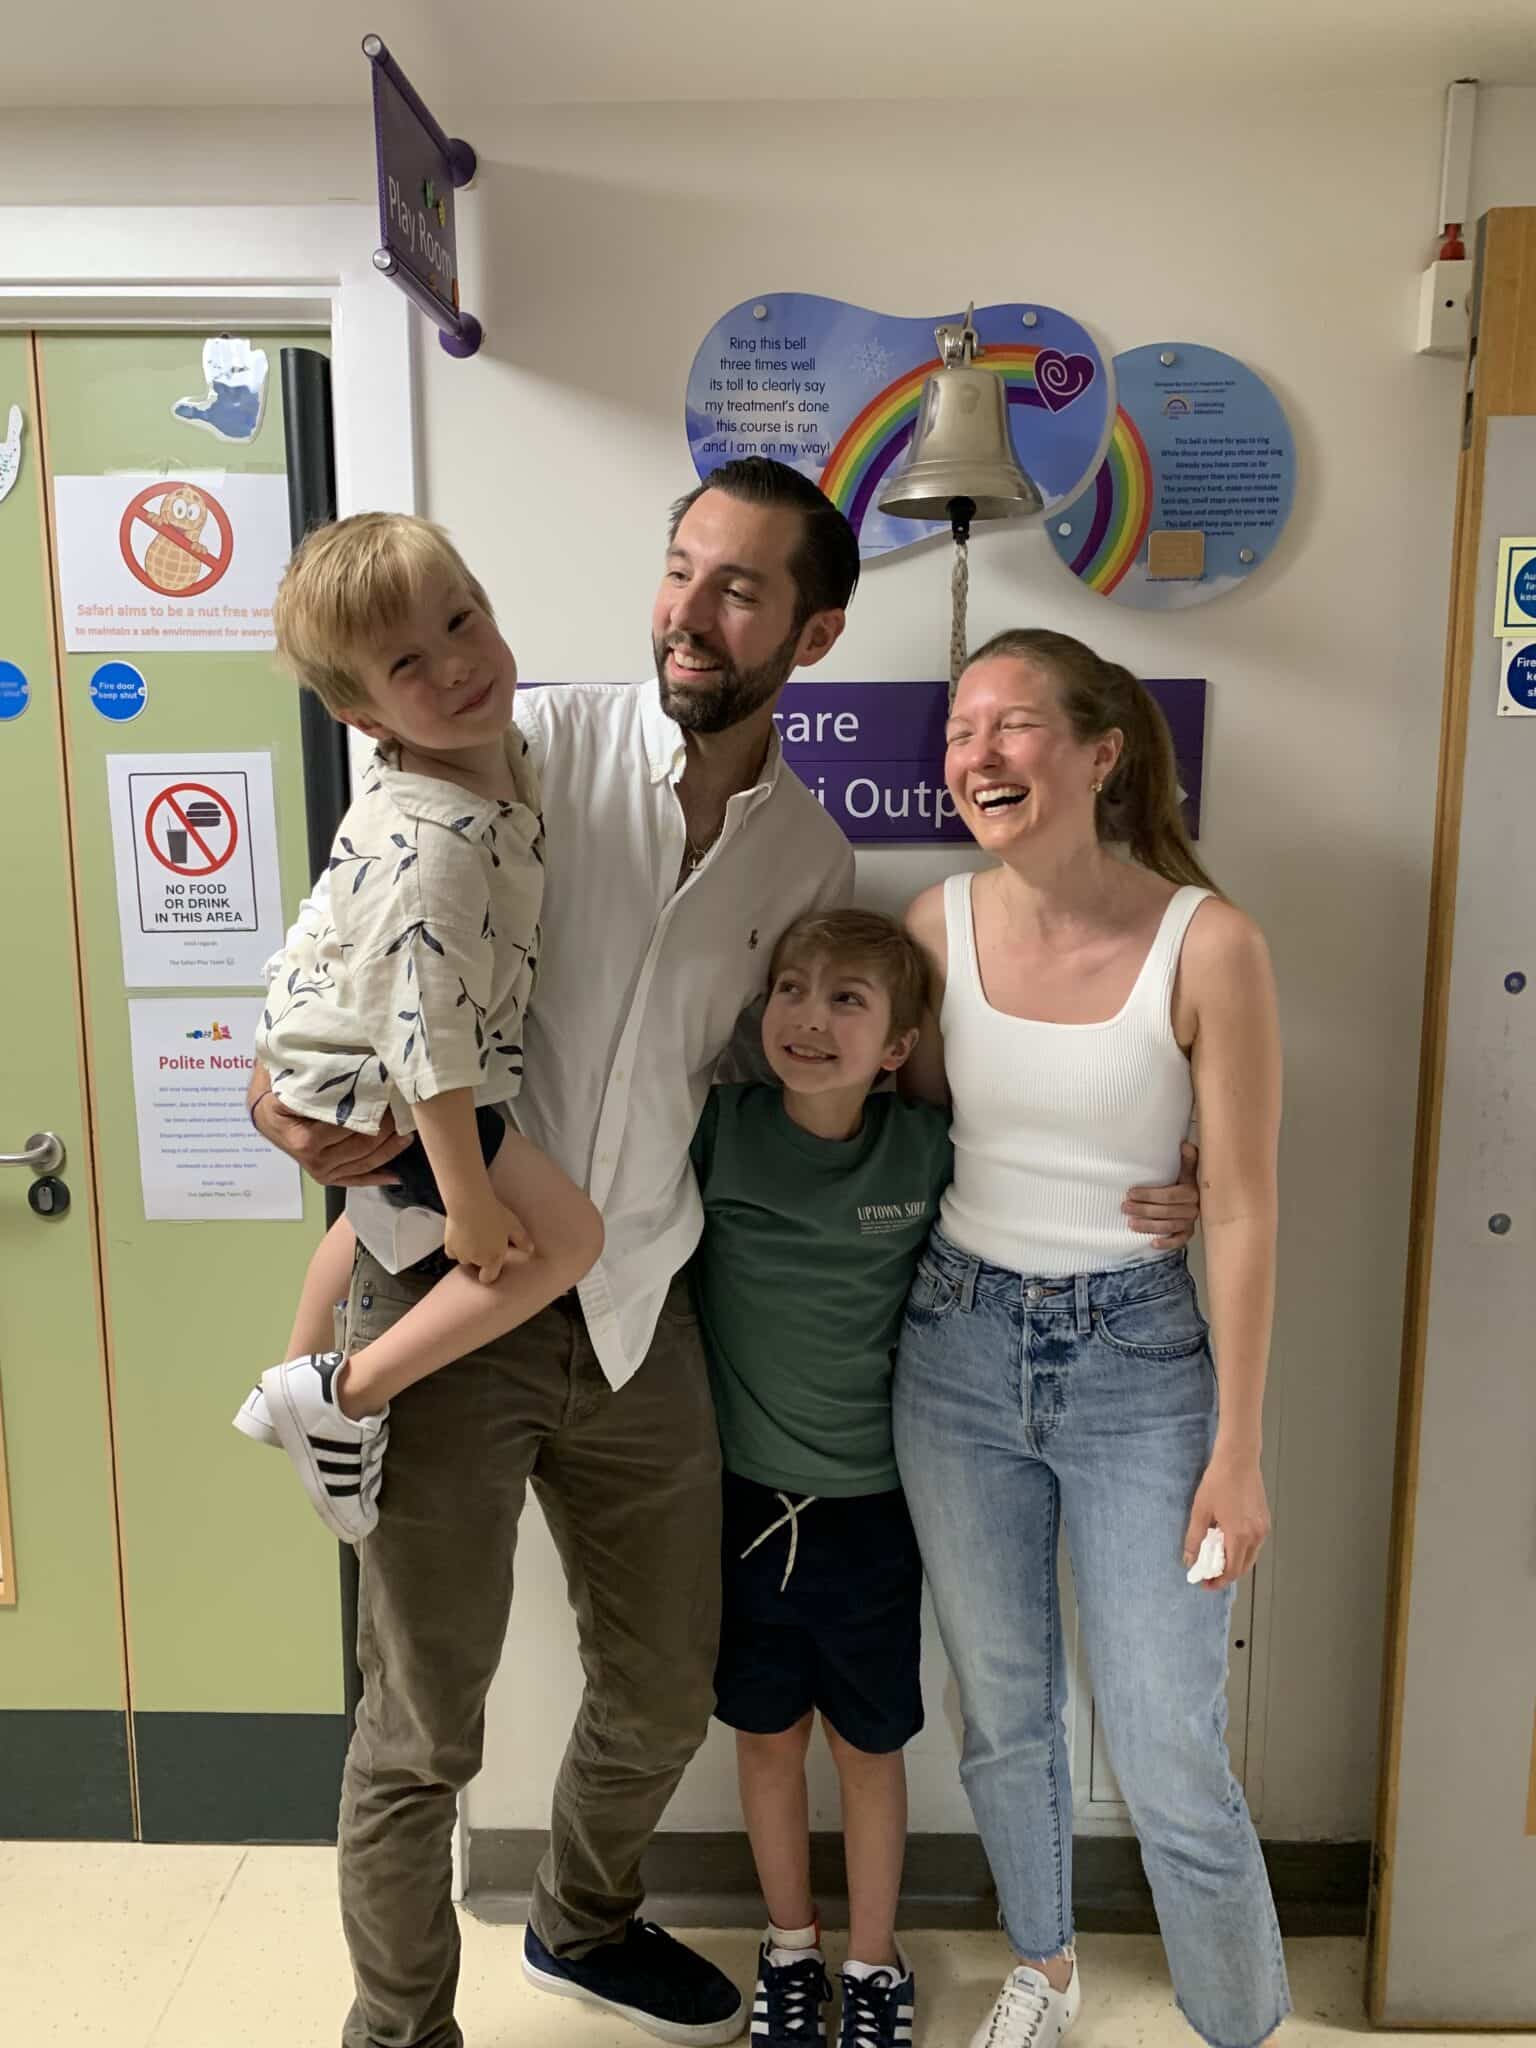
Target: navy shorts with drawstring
842, 1634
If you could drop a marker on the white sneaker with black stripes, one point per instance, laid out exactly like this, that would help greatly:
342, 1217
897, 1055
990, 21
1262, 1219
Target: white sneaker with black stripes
252, 1420
338, 1460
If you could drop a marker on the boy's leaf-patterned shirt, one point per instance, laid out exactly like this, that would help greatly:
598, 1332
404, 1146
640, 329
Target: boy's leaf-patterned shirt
415, 979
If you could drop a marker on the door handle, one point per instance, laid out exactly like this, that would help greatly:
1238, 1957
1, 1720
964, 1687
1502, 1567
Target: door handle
44, 1154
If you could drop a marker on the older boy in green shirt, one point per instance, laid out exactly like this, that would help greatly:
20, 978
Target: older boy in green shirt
818, 1199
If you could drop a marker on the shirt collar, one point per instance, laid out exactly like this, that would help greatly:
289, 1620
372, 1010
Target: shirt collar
666, 751
444, 803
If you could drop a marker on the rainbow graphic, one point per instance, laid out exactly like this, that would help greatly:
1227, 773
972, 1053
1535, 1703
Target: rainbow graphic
882, 430
1121, 496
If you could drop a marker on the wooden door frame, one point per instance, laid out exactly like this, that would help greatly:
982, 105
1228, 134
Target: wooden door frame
205, 267
1500, 387
232, 268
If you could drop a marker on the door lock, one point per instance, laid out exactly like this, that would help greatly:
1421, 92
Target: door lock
48, 1197
44, 1153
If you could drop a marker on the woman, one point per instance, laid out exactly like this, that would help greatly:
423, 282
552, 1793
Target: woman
1051, 1363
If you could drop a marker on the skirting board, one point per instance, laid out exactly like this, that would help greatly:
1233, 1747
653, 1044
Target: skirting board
707, 1880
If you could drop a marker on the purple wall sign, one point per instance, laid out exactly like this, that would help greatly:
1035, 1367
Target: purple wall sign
873, 755
419, 166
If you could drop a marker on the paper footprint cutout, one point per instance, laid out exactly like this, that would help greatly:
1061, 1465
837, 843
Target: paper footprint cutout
10, 453
236, 400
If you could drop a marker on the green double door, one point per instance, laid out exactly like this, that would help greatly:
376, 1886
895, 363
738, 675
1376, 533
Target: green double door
170, 1643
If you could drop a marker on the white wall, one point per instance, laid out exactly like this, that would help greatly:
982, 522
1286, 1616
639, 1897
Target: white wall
1504, 149
1290, 235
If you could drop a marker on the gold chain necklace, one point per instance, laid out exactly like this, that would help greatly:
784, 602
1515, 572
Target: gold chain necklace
693, 856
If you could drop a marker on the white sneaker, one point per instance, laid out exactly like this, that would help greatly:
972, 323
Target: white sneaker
252, 1419
338, 1460
1028, 2013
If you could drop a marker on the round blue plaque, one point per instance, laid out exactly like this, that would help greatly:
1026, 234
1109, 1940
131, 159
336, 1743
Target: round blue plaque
15, 691
117, 691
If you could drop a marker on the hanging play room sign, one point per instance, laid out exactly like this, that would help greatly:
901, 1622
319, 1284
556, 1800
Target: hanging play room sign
419, 168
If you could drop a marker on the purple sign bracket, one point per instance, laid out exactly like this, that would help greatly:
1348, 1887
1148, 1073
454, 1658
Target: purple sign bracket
419, 168
873, 755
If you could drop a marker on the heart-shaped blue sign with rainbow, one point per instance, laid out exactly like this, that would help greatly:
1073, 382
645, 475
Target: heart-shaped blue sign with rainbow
834, 389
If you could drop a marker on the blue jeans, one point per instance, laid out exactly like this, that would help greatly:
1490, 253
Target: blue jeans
1018, 1402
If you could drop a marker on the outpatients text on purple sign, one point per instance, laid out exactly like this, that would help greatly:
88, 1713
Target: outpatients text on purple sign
873, 754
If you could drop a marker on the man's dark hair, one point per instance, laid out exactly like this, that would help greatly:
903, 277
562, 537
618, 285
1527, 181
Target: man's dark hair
825, 565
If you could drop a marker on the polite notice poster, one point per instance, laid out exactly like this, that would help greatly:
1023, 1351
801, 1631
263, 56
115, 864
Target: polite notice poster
199, 897
185, 564
199, 1158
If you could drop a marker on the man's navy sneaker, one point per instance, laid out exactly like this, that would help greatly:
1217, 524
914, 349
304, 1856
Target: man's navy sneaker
648, 1978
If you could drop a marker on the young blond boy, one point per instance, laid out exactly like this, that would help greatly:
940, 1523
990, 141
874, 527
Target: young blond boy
409, 997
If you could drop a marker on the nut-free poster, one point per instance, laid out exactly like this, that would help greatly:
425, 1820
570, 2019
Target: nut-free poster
199, 895
185, 564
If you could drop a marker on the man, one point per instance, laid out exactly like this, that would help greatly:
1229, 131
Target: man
678, 847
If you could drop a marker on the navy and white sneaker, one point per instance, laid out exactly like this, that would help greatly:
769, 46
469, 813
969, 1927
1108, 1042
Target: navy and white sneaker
338, 1460
878, 2005
648, 1978
787, 2006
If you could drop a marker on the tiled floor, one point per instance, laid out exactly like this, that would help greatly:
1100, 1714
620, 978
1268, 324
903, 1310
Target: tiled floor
240, 1948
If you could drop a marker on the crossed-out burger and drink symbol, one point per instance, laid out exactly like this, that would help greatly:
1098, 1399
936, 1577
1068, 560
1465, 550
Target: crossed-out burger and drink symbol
203, 816
183, 826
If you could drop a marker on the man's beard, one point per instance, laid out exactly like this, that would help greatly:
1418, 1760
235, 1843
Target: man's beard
734, 694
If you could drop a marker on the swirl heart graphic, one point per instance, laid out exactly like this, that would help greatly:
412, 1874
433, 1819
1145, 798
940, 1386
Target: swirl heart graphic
1061, 379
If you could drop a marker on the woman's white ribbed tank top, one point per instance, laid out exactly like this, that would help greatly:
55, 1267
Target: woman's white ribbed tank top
1053, 1122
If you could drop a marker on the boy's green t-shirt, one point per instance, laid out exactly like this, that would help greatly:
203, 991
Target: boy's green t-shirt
808, 1251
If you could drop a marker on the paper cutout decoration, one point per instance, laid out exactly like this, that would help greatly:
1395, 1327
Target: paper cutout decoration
833, 389
10, 452
236, 400
1195, 488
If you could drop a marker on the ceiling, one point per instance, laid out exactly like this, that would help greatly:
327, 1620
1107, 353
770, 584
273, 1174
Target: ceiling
164, 53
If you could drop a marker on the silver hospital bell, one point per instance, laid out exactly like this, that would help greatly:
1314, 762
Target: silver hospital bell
961, 446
